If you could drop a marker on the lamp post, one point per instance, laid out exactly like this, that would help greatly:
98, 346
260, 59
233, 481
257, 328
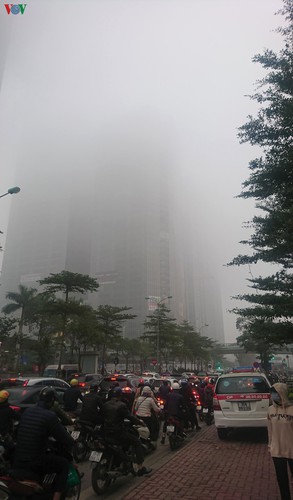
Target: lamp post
13, 190
159, 302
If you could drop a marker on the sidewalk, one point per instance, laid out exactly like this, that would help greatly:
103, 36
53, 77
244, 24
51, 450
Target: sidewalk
208, 468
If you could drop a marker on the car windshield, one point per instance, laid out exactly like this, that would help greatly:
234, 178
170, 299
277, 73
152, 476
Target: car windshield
242, 385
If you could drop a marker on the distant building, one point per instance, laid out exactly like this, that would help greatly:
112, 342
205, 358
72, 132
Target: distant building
118, 220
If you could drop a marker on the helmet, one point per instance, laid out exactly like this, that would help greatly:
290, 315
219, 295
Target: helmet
48, 394
94, 387
73, 382
4, 395
117, 391
184, 381
211, 380
176, 386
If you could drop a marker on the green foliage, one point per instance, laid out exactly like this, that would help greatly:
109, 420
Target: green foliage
268, 318
68, 282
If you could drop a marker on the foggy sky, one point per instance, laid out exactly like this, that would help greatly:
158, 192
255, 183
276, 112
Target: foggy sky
74, 71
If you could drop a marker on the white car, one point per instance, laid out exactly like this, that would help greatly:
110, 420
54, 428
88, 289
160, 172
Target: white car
241, 400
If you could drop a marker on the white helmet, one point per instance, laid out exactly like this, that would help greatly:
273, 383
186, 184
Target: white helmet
176, 386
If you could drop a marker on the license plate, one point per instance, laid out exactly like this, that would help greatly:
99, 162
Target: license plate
170, 428
95, 456
75, 434
205, 410
244, 406
198, 407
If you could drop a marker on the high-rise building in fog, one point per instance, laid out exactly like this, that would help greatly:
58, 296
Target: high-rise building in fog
119, 221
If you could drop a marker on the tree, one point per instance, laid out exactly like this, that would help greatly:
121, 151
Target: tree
268, 318
67, 283
161, 331
110, 322
20, 302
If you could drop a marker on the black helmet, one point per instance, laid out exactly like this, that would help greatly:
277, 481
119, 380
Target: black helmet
94, 387
48, 394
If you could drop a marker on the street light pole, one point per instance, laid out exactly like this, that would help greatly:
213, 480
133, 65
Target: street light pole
13, 190
159, 302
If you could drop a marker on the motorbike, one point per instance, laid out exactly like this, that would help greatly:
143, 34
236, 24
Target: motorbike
207, 415
84, 435
110, 460
19, 484
22, 485
174, 433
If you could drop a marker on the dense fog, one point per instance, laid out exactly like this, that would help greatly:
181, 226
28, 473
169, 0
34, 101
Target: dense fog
107, 105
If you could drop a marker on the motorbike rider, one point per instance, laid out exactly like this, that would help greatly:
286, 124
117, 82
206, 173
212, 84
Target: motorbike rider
209, 394
114, 413
164, 390
92, 406
7, 415
71, 396
190, 402
146, 409
37, 424
175, 406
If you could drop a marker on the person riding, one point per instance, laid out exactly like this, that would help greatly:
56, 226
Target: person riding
146, 409
114, 413
164, 390
7, 415
37, 424
190, 402
175, 406
71, 396
209, 394
92, 406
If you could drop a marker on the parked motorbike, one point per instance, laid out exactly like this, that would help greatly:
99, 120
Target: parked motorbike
174, 433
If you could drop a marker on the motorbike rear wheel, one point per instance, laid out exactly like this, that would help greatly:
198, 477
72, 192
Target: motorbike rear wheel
100, 481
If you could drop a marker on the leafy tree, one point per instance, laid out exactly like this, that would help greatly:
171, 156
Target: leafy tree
268, 318
110, 322
20, 301
66, 283
161, 331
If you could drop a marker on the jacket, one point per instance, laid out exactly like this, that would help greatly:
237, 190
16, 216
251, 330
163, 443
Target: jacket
91, 407
7, 415
70, 398
174, 405
114, 413
37, 424
280, 425
144, 406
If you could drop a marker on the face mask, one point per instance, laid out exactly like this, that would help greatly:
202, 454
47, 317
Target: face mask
276, 398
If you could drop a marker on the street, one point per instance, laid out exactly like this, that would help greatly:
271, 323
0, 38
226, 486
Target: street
239, 468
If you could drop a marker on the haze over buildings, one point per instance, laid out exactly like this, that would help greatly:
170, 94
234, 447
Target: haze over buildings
119, 123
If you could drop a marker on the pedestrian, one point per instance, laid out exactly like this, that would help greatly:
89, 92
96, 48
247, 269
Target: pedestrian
280, 432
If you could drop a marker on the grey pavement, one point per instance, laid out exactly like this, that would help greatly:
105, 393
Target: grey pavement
239, 468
